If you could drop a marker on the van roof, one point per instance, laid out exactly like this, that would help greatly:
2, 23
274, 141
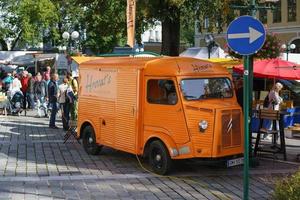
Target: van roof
160, 66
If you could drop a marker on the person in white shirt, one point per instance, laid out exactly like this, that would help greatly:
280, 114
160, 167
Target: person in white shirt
15, 86
274, 99
64, 103
274, 104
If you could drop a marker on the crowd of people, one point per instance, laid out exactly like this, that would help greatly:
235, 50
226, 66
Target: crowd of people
42, 93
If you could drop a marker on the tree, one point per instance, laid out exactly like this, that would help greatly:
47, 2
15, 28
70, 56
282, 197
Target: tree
173, 13
25, 21
105, 23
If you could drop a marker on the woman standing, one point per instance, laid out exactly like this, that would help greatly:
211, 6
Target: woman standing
274, 99
64, 102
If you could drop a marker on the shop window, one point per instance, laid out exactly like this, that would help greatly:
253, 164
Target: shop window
161, 91
292, 10
277, 12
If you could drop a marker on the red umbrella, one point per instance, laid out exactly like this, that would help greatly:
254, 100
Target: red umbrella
273, 68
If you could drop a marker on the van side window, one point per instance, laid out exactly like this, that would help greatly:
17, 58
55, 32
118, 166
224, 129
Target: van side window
161, 91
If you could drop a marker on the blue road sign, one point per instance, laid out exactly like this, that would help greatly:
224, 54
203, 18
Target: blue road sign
246, 35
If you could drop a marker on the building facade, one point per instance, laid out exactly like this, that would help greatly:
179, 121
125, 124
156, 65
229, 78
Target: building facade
284, 22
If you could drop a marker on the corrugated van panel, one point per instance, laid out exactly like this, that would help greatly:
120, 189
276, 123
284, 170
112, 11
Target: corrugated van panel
202, 141
89, 113
125, 129
94, 110
169, 118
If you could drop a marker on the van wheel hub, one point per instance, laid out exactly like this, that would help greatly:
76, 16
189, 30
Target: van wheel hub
91, 140
158, 157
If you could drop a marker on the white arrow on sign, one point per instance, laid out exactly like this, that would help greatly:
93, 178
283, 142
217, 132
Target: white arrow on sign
253, 35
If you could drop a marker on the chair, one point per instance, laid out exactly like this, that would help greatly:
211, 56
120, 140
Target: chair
274, 116
72, 131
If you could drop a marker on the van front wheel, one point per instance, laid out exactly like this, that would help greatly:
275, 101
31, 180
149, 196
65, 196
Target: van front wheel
159, 158
89, 141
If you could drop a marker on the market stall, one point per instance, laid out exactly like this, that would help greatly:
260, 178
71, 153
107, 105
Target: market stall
276, 70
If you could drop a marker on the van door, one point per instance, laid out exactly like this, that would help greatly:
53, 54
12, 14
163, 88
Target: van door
163, 109
126, 107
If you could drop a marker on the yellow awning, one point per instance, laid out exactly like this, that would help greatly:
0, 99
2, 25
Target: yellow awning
81, 59
226, 62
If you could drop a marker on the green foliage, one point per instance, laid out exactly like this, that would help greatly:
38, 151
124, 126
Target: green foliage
25, 20
184, 13
288, 188
102, 23
105, 23
270, 49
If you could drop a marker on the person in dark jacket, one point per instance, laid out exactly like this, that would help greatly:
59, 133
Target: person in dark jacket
52, 96
24, 82
240, 92
40, 94
30, 91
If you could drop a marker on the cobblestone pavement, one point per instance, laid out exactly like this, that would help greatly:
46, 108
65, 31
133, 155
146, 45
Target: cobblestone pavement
35, 164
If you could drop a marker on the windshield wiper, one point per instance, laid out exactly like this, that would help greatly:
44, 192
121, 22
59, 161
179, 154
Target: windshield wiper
190, 97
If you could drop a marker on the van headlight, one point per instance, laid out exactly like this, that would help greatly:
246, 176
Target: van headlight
203, 125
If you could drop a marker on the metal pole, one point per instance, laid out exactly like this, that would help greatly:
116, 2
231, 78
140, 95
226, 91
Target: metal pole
246, 126
248, 87
287, 53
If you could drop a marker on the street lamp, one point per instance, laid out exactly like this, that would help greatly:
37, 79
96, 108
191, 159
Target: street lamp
74, 36
288, 48
210, 43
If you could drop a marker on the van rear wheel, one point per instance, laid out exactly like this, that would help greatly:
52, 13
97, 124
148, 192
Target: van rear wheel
89, 141
159, 158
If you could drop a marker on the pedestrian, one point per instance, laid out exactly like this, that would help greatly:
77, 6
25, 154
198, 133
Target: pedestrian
15, 85
73, 84
40, 94
24, 81
52, 96
46, 74
239, 92
30, 91
272, 102
64, 103
274, 99
7, 81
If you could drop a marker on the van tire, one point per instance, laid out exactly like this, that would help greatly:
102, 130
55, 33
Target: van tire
159, 158
89, 141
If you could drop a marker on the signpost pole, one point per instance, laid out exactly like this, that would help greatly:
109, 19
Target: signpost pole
248, 96
246, 35
246, 104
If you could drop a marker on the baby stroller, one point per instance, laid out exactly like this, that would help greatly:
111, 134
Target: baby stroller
16, 102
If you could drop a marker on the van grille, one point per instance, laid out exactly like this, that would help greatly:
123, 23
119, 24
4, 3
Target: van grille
231, 128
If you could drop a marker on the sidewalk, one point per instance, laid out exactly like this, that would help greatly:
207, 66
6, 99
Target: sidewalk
35, 164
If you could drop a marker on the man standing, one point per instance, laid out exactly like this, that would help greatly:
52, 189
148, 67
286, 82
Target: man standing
40, 94
30, 91
46, 74
52, 95
74, 104
24, 82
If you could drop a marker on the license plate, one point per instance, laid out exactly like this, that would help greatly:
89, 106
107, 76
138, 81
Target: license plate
235, 162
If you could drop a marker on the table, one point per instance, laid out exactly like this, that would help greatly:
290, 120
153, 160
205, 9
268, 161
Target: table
290, 117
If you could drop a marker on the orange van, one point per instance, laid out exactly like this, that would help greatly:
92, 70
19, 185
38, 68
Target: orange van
164, 108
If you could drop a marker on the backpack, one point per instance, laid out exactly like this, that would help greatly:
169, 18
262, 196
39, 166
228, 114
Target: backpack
73, 84
266, 101
70, 96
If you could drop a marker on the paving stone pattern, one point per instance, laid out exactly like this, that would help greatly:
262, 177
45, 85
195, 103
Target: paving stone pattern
35, 164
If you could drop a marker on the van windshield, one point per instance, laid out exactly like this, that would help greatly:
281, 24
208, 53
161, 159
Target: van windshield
206, 88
